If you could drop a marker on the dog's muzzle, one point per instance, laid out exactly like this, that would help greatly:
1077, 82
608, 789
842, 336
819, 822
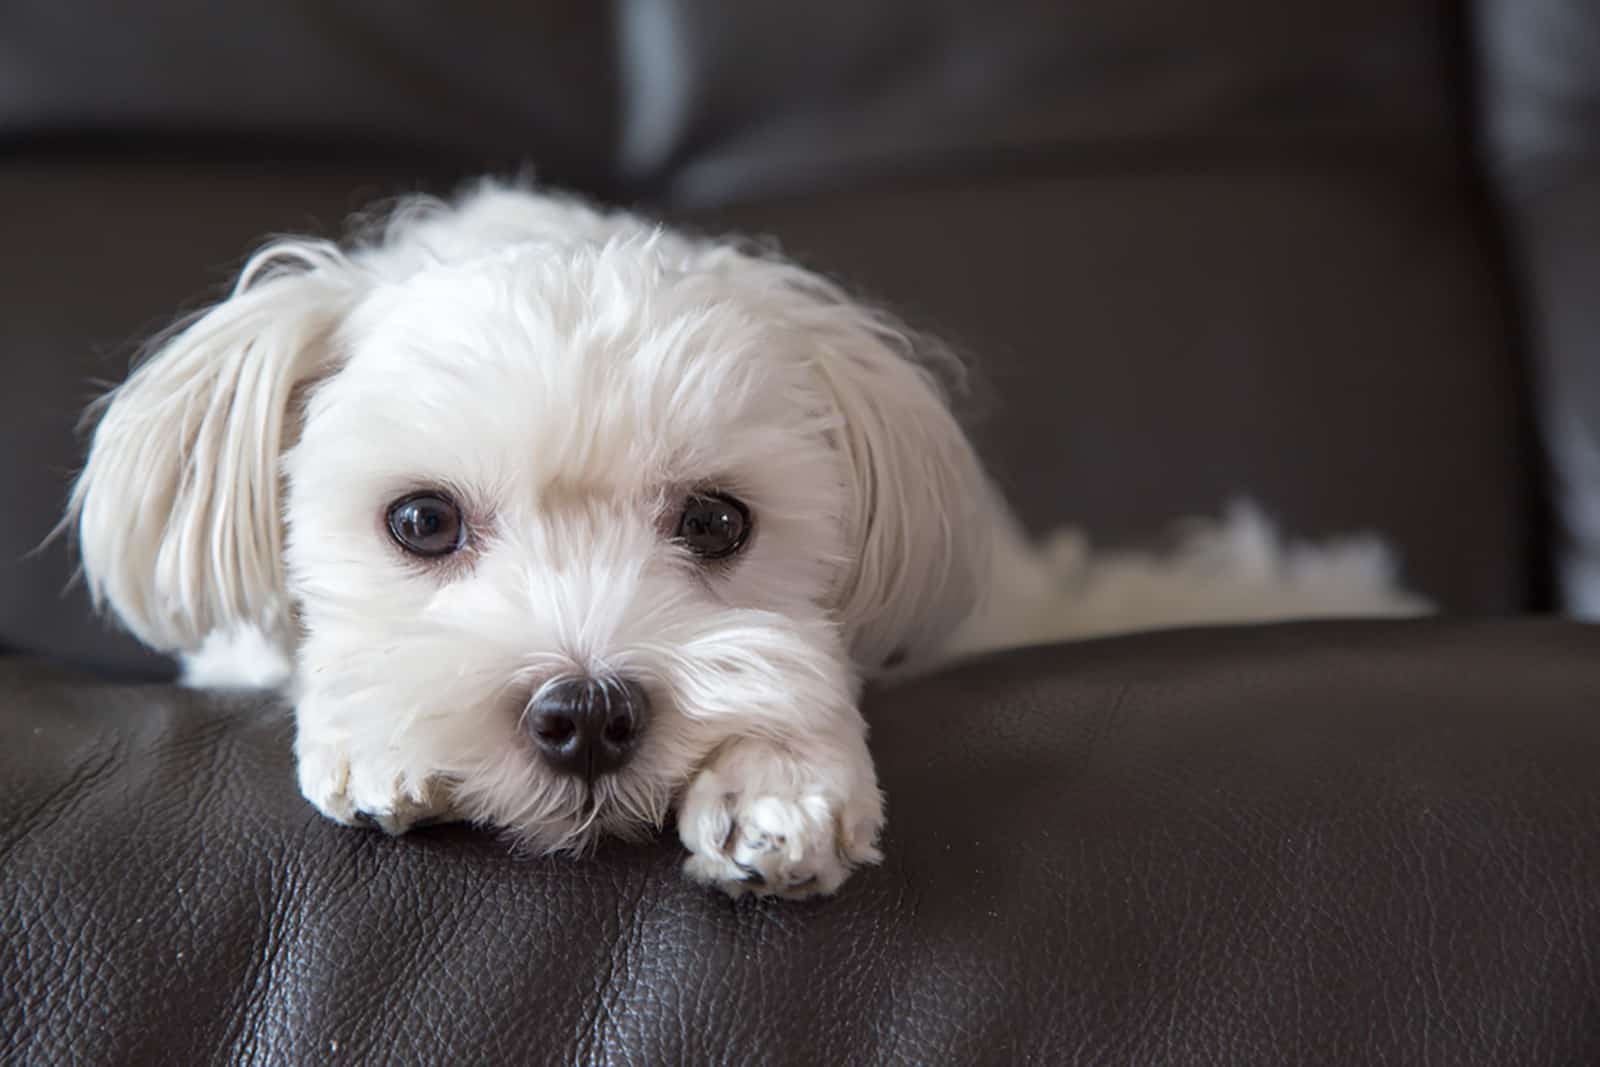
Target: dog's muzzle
587, 727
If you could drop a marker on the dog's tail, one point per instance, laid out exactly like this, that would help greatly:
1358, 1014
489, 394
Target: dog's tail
1236, 569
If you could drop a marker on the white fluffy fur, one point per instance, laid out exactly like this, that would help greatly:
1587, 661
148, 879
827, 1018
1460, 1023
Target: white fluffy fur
568, 375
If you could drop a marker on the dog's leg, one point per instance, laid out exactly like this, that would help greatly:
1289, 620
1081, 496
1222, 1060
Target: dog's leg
245, 658
347, 781
355, 780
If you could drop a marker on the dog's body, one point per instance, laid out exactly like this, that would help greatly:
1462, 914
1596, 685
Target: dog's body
554, 520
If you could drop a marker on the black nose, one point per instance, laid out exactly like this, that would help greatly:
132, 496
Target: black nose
588, 726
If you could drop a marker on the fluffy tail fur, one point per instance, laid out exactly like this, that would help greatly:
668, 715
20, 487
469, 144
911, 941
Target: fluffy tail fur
1236, 569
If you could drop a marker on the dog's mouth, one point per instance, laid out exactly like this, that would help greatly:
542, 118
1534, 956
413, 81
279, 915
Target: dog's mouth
602, 815
511, 783
596, 817
546, 813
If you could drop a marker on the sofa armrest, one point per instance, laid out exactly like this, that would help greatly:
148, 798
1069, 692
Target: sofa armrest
1333, 842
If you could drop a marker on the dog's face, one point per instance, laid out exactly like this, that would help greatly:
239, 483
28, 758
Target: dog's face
509, 485
551, 521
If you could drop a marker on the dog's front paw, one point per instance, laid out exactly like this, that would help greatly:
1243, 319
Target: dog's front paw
357, 791
759, 819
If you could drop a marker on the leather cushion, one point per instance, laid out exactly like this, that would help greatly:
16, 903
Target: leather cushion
1333, 843
704, 100
1328, 336
101, 255
1325, 336
477, 84
730, 102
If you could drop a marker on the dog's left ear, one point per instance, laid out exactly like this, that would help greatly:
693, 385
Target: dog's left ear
922, 525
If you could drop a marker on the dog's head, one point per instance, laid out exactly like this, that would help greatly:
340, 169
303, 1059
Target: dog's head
550, 501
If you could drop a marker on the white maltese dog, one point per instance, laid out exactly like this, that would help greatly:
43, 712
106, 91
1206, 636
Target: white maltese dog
555, 520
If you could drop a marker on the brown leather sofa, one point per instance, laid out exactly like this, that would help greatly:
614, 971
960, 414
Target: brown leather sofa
1342, 258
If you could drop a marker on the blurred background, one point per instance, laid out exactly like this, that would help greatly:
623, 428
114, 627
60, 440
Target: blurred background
1339, 257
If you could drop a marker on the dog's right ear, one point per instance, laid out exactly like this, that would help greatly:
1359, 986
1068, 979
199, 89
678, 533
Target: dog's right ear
177, 508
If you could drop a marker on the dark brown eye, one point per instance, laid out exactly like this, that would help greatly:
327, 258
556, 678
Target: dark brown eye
426, 524
713, 525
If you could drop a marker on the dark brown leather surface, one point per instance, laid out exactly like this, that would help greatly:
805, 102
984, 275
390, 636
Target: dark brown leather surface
1198, 252
725, 102
1327, 336
1336, 843
705, 100
99, 256
260, 79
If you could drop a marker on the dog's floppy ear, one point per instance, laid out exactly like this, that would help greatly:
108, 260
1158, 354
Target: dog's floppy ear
921, 530
177, 509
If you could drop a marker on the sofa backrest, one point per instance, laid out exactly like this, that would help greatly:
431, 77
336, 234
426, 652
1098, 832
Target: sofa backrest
1541, 93
1196, 251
